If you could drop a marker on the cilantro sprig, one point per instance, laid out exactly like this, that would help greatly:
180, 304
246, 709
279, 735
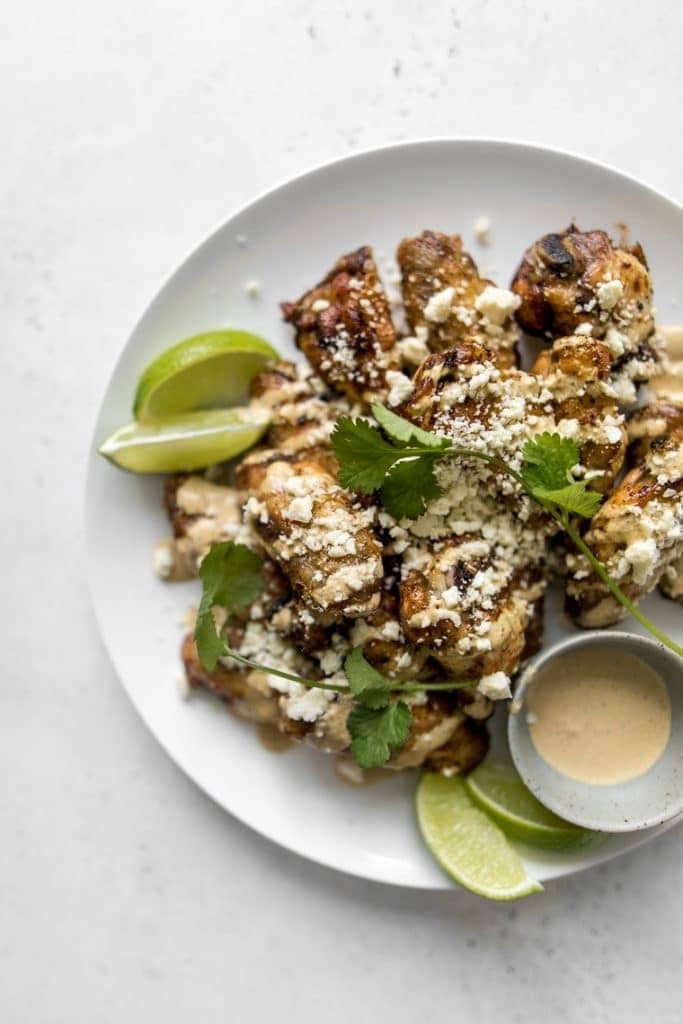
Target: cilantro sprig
399, 461
379, 721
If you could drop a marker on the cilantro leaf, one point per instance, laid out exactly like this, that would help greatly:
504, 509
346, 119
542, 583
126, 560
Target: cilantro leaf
574, 499
364, 456
409, 485
406, 432
375, 732
210, 645
548, 461
366, 684
231, 577
546, 473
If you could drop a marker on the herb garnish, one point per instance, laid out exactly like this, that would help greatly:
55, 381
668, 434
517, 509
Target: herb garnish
401, 467
378, 722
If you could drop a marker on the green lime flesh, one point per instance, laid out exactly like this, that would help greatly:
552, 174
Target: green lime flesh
467, 843
188, 442
498, 790
208, 371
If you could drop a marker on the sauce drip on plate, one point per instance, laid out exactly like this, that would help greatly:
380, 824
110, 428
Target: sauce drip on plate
599, 716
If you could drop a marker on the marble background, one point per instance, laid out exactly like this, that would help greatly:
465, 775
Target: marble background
129, 130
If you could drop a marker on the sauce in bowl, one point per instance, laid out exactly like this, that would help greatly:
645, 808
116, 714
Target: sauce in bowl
599, 715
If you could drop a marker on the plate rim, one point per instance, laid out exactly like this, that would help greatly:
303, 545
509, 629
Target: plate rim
170, 275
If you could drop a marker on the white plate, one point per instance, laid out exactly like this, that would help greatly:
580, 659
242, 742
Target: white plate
293, 234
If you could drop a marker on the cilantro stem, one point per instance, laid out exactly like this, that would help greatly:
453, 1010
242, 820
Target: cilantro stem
319, 684
494, 460
614, 588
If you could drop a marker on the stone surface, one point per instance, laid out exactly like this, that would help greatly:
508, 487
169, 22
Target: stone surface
129, 130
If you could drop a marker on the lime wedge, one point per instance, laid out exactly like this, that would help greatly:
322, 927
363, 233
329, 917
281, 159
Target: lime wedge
192, 441
206, 371
498, 790
467, 844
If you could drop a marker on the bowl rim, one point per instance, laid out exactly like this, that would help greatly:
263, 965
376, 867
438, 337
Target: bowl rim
517, 725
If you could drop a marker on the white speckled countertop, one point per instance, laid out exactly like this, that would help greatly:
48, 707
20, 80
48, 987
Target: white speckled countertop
129, 130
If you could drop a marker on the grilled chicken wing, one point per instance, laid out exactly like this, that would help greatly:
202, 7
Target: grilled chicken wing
322, 538
638, 532
577, 374
578, 280
447, 301
344, 328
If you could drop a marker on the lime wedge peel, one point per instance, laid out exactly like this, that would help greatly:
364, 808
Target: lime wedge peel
498, 790
207, 371
188, 442
467, 843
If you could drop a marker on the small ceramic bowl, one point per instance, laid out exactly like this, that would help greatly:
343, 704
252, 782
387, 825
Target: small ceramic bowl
639, 803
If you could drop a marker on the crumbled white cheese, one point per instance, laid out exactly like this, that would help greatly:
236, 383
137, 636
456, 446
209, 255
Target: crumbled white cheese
331, 661
481, 228
412, 350
497, 304
399, 387
340, 543
252, 288
616, 342
391, 630
584, 328
641, 556
308, 704
438, 307
319, 305
163, 560
300, 510
495, 686
609, 293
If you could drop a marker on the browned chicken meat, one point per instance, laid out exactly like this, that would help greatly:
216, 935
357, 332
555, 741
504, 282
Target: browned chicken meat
577, 372
323, 538
446, 301
473, 564
579, 281
638, 532
344, 328
456, 593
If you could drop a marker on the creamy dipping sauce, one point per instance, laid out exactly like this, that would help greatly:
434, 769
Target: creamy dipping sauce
599, 716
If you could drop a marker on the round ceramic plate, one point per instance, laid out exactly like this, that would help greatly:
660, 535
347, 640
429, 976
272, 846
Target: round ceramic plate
287, 240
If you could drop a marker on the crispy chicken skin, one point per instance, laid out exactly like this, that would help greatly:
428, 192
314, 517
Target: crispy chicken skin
344, 328
580, 280
432, 262
577, 371
637, 534
559, 280
313, 528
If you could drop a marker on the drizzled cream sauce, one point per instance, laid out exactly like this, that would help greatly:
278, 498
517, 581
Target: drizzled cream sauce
670, 384
599, 716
